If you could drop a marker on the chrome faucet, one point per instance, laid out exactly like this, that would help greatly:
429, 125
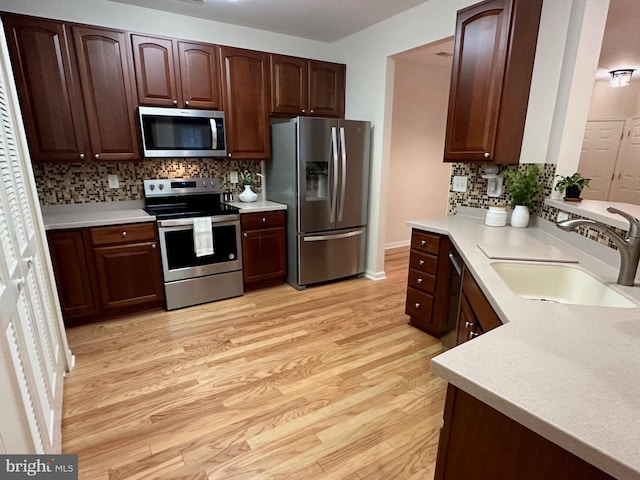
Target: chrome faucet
629, 247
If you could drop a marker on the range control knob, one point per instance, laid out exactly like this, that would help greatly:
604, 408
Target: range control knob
204, 184
152, 187
212, 183
161, 186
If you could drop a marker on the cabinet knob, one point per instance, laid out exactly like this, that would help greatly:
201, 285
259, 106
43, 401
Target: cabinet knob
82, 156
423, 242
97, 156
264, 219
419, 280
486, 155
153, 245
473, 335
229, 154
468, 324
417, 305
186, 103
244, 235
311, 111
420, 262
175, 102
304, 110
124, 233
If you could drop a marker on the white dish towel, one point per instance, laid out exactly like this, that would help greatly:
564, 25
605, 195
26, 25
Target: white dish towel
202, 236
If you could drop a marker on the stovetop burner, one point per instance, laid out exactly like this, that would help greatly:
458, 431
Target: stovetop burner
185, 198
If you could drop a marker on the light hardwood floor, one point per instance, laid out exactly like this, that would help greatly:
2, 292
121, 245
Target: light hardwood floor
327, 383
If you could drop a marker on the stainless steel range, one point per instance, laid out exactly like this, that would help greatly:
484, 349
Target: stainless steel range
192, 277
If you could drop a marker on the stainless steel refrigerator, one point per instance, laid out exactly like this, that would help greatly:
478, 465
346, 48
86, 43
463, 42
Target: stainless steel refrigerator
320, 170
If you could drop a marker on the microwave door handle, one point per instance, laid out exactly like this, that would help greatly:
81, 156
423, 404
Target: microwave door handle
334, 194
214, 133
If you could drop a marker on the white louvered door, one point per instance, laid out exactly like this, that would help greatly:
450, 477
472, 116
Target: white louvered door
34, 352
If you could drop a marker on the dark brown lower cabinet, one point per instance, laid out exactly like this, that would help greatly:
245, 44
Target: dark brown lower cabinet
105, 272
478, 442
264, 249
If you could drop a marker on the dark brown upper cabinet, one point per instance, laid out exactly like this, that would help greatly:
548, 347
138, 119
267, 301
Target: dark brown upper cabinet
76, 93
306, 87
106, 78
245, 76
495, 45
176, 73
48, 88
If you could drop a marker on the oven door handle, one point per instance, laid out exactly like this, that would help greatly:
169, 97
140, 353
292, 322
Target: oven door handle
219, 220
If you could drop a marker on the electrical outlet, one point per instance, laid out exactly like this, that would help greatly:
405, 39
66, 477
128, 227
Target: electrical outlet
460, 183
562, 216
233, 177
113, 181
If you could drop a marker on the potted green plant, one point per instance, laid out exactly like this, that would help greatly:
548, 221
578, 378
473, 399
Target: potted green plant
523, 186
572, 186
248, 179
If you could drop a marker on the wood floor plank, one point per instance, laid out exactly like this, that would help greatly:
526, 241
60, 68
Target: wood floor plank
327, 383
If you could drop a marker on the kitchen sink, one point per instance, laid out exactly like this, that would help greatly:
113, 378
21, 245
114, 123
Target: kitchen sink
559, 284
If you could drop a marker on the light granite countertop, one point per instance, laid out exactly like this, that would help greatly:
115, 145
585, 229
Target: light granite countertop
568, 372
80, 215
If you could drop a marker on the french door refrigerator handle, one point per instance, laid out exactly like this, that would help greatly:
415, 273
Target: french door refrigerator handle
343, 173
334, 193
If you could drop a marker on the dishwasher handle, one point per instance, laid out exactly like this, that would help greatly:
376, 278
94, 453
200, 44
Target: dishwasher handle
455, 263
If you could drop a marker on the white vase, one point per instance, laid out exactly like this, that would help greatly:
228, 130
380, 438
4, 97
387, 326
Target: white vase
520, 216
248, 195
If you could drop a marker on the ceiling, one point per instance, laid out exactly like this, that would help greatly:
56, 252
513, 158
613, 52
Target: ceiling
323, 20
621, 42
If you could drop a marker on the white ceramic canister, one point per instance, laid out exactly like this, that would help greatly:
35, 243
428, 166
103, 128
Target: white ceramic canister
496, 217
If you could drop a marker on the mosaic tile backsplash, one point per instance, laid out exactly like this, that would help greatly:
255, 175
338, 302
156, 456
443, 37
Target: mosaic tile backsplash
65, 183
476, 196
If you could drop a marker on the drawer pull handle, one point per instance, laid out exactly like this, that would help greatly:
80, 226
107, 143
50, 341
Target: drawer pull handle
468, 324
97, 156
264, 219
244, 235
423, 242
473, 335
417, 305
419, 280
124, 234
420, 262
153, 245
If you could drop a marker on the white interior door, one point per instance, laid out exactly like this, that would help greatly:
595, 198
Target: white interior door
626, 184
33, 348
598, 157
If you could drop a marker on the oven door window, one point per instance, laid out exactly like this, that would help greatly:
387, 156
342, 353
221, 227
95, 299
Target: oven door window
180, 251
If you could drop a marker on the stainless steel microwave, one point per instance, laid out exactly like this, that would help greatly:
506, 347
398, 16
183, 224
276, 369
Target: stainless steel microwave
174, 132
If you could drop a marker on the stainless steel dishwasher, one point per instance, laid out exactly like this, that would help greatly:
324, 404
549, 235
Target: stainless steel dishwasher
456, 264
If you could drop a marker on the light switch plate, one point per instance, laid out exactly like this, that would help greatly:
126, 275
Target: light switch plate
460, 183
233, 177
113, 181
562, 216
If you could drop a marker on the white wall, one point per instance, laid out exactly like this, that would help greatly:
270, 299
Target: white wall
418, 185
610, 103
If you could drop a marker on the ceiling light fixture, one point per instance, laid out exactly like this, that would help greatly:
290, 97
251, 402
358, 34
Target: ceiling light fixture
620, 78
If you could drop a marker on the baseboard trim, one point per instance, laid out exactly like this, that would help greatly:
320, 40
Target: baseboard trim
404, 243
375, 275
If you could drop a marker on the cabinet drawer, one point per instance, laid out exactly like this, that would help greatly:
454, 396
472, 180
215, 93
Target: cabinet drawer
422, 281
419, 304
423, 262
252, 221
425, 242
136, 232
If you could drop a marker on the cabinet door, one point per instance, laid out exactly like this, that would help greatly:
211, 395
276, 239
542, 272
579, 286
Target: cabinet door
326, 89
480, 53
156, 77
72, 273
289, 85
264, 255
246, 100
200, 75
48, 89
107, 89
129, 275
467, 322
